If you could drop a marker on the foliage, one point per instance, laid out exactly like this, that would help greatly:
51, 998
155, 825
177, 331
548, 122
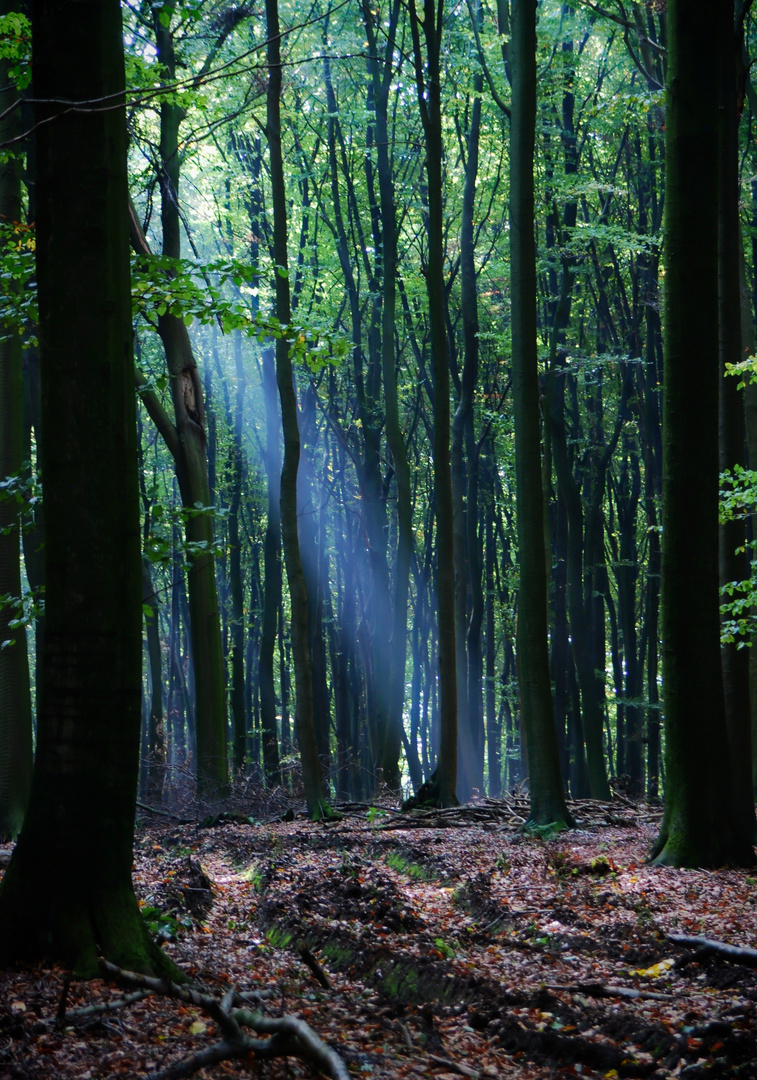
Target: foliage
16, 46
191, 290
18, 298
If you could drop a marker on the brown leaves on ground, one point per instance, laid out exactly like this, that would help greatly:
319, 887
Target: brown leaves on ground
452, 944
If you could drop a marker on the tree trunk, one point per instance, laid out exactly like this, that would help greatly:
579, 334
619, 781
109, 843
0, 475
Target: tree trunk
464, 460
272, 566
304, 712
546, 786
701, 826
156, 735
444, 787
389, 750
15, 695
733, 559
78, 831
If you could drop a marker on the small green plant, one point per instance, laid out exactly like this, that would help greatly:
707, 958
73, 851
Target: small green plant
446, 950
502, 863
373, 813
278, 938
543, 832
398, 862
601, 866
256, 876
164, 925
644, 915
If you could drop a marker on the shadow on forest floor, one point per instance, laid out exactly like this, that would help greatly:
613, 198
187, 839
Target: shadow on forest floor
445, 945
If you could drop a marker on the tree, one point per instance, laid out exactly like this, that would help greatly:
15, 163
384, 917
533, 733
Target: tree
733, 558
186, 435
428, 82
547, 796
304, 713
67, 894
703, 825
15, 697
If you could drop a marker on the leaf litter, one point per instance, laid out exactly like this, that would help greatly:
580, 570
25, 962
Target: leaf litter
437, 944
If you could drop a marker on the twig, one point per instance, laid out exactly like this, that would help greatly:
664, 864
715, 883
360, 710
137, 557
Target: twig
707, 947
165, 814
99, 1009
463, 1070
288, 1035
600, 991
310, 961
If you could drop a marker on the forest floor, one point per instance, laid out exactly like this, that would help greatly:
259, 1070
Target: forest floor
438, 944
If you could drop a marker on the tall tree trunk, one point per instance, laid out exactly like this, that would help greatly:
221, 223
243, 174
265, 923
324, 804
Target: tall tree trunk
733, 559
236, 576
701, 826
155, 765
304, 712
15, 695
78, 831
545, 780
186, 438
428, 75
578, 605
464, 460
382, 73
272, 566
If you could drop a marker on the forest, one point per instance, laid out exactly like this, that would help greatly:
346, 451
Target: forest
379, 399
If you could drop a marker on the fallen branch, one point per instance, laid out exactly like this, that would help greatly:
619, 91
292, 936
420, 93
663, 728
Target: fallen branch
288, 1036
707, 947
598, 990
165, 813
462, 1070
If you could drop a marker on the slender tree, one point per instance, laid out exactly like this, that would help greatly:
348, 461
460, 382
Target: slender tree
304, 712
545, 780
381, 70
15, 696
428, 82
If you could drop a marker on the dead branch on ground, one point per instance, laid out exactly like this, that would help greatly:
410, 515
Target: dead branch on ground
707, 947
287, 1036
599, 990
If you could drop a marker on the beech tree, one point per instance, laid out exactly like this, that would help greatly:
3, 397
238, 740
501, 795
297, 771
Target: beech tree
443, 789
304, 714
704, 822
545, 781
67, 894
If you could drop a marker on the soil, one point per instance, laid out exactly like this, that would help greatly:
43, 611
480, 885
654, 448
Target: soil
422, 945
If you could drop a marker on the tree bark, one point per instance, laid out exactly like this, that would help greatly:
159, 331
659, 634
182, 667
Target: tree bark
701, 825
545, 780
78, 830
444, 788
733, 559
304, 711
382, 72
